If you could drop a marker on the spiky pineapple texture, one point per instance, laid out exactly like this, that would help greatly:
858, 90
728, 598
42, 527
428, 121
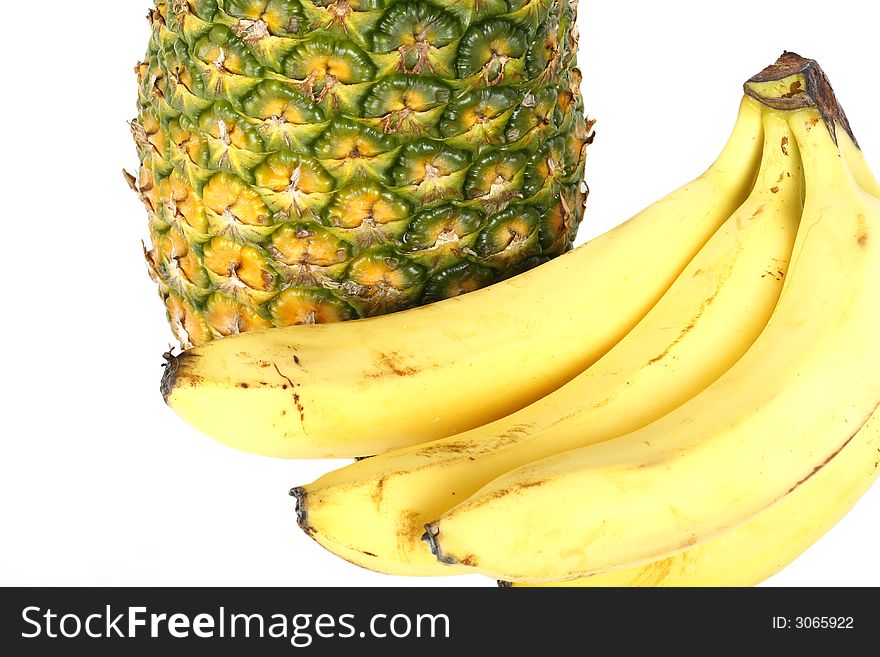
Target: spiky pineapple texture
314, 161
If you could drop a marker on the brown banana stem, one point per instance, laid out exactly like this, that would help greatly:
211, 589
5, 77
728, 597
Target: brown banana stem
809, 87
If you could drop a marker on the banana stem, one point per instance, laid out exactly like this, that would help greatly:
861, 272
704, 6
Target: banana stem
794, 82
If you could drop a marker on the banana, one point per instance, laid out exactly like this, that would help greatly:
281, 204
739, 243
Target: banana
780, 415
373, 512
364, 387
765, 544
858, 166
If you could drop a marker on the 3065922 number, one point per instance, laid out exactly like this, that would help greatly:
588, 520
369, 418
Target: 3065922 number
823, 622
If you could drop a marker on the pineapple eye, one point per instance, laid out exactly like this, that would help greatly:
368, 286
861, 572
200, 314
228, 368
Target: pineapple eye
406, 104
381, 267
276, 102
309, 245
433, 227
284, 172
458, 279
182, 202
495, 179
510, 236
232, 198
546, 166
225, 125
324, 56
229, 317
478, 109
490, 45
294, 306
188, 324
408, 23
357, 205
244, 264
282, 18
223, 51
346, 139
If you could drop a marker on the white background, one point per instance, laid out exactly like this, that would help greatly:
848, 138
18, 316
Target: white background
100, 483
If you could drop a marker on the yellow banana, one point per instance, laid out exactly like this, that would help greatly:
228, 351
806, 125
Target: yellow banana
855, 161
367, 386
778, 417
764, 545
373, 512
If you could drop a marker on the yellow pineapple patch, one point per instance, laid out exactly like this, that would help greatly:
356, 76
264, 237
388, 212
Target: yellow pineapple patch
244, 263
274, 19
282, 108
228, 132
416, 101
189, 327
307, 247
378, 273
189, 143
146, 184
280, 176
368, 205
228, 317
322, 65
226, 195
175, 249
182, 202
293, 307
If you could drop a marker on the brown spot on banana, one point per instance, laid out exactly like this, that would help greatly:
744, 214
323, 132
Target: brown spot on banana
410, 525
379, 491
862, 234
299, 407
297, 400
655, 572
690, 541
391, 362
835, 452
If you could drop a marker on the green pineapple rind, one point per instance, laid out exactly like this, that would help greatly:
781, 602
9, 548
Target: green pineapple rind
359, 156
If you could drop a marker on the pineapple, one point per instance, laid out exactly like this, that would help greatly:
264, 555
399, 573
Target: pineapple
307, 161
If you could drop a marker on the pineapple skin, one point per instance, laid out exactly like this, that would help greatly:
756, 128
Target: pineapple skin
306, 162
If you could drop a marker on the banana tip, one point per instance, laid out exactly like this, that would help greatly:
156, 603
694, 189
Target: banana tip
430, 537
302, 517
504, 584
171, 371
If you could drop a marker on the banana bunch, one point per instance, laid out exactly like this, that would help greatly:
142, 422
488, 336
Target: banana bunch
690, 399
364, 387
718, 305
729, 429
804, 395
